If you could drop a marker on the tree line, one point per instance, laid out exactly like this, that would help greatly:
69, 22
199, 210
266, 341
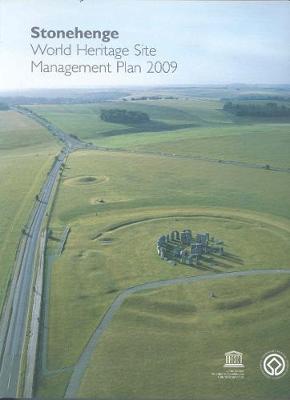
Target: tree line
268, 110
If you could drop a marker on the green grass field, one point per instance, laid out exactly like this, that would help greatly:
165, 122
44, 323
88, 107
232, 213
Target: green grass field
194, 128
168, 343
227, 201
261, 143
118, 203
127, 256
166, 115
26, 154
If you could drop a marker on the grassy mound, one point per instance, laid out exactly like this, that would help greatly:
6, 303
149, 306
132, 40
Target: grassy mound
84, 180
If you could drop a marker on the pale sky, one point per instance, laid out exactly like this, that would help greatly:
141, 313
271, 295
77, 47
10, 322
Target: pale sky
212, 41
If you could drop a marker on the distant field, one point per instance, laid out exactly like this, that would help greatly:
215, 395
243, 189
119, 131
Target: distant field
84, 119
26, 154
196, 127
260, 143
230, 202
167, 343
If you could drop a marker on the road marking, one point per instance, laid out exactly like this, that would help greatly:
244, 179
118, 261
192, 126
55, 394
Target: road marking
9, 380
19, 287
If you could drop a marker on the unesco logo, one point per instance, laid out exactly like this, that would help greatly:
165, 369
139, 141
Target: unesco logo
274, 364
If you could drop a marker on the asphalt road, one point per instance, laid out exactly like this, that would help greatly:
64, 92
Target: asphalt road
13, 322
16, 307
70, 141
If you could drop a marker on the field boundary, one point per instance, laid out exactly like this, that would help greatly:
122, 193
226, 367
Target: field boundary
237, 163
230, 217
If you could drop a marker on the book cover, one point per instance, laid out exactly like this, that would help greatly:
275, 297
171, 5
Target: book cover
144, 199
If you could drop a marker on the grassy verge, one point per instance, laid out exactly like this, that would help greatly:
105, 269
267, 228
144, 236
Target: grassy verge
26, 154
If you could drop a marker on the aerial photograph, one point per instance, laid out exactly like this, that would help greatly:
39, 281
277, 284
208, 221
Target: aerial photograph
145, 199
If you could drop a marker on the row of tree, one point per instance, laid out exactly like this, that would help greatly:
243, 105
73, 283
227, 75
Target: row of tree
268, 110
123, 116
257, 96
153, 98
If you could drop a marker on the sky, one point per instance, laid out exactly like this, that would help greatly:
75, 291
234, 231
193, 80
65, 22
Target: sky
213, 42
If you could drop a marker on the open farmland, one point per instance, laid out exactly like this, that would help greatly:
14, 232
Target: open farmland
196, 127
168, 115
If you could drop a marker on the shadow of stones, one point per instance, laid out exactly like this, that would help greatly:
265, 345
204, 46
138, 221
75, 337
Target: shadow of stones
223, 265
207, 260
205, 267
225, 261
212, 262
153, 126
233, 258
201, 266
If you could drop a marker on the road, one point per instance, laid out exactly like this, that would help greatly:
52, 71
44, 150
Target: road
70, 141
14, 315
75, 141
78, 143
83, 362
236, 163
13, 322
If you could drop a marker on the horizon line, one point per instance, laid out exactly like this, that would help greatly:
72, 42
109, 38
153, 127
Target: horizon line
111, 87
